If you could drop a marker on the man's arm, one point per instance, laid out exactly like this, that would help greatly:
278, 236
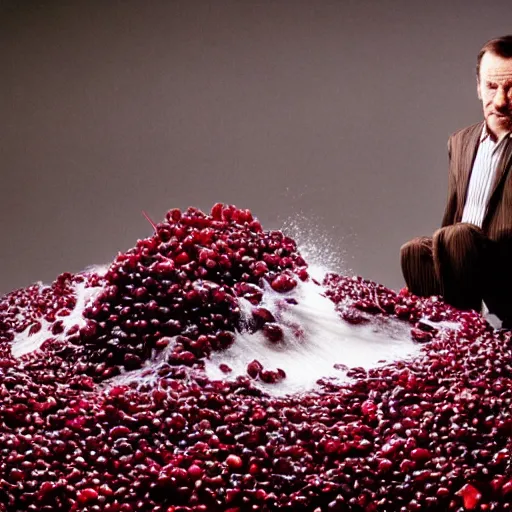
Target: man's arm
451, 204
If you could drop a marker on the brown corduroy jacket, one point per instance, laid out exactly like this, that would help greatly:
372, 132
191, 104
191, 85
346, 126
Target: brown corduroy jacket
462, 148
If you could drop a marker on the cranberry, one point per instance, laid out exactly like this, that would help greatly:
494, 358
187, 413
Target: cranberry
470, 495
254, 368
283, 283
262, 316
234, 461
86, 496
273, 332
224, 368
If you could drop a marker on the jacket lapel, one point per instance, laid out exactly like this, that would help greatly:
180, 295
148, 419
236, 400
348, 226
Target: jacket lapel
501, 173
468, 154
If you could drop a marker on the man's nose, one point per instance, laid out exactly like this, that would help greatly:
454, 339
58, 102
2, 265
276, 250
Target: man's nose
500, 98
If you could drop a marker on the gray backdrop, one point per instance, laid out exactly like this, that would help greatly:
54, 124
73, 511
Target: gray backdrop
335, 113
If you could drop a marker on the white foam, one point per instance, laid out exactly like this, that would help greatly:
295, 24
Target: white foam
148, 373
326, 340
99, 270
447, 325
24, 342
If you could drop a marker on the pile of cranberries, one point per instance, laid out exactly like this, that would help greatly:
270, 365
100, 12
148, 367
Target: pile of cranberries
430, 433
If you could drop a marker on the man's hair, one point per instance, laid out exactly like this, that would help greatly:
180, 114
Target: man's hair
501, 46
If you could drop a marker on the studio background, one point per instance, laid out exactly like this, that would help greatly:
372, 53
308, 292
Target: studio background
332, 116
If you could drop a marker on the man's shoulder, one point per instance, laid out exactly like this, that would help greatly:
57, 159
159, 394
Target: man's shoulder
468, 131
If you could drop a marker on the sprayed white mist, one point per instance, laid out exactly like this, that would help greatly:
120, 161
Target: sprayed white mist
317, 246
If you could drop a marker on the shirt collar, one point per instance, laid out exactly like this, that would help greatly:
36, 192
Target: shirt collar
485, 133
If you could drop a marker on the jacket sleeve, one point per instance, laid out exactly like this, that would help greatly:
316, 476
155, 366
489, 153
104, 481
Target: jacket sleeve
451, 203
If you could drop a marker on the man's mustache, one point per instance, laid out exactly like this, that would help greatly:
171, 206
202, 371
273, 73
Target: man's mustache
505, 112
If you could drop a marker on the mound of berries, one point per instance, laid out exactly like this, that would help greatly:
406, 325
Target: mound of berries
77, 434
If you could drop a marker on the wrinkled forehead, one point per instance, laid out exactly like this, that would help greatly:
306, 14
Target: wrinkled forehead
495, 68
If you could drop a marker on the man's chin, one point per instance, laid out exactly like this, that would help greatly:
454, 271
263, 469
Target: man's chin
498, 123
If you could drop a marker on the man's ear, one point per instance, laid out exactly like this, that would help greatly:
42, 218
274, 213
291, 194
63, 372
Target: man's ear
478, 88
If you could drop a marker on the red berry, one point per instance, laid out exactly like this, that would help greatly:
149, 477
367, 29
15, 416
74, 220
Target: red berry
234, 461
283, 283
86, 496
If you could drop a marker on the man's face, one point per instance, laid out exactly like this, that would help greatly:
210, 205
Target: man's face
495, 91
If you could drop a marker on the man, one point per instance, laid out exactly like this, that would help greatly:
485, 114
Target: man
469, 260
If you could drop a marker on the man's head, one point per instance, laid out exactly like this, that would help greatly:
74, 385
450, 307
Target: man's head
494, 84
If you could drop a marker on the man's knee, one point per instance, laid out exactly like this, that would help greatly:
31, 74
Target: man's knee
417, 267
459, 255
414, 255
416, 248
460, 248
459, 236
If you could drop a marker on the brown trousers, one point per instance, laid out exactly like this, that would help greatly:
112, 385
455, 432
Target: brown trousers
464, 266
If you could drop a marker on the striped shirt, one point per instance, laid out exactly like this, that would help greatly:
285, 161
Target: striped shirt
482, 177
